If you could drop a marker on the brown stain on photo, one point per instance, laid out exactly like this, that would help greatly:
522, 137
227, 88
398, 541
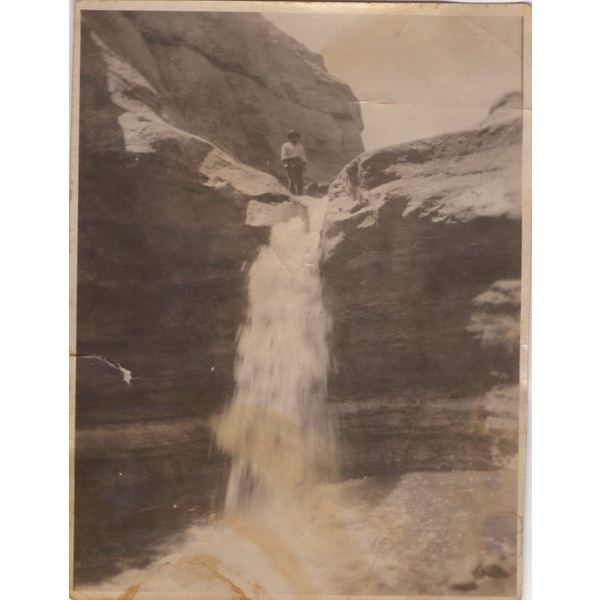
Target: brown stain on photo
129, 594
199, 565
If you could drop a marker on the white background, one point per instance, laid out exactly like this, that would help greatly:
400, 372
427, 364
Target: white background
565, 428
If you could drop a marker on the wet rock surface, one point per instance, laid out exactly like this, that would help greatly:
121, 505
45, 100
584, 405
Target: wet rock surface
137, 484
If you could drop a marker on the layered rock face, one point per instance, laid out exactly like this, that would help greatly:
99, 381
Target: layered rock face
236, 80
162, 249
423, 261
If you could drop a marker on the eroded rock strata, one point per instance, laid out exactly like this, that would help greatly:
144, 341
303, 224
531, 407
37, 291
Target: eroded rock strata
422, 270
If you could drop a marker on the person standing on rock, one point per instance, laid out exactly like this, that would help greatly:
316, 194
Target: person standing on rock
294, 161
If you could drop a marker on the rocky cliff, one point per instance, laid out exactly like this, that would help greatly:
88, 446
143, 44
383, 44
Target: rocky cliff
236, 80
423, 261
176, 110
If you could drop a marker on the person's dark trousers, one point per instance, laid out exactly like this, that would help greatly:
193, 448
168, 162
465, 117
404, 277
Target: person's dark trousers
295, 169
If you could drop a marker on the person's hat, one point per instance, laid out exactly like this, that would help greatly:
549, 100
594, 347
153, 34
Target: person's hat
293, 133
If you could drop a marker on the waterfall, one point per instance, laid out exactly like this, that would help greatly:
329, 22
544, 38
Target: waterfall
287, 533
276, 428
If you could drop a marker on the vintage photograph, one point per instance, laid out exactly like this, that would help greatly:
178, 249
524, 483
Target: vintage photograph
300, 300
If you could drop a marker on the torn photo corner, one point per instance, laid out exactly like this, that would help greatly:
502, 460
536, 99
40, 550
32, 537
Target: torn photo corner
300, 290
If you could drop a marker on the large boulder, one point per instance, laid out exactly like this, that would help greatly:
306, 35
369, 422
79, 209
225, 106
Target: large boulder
236, 80
422, 262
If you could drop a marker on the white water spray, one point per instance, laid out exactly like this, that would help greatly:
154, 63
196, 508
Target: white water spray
277, 428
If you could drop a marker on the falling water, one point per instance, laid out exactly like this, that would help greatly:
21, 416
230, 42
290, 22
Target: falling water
277, 428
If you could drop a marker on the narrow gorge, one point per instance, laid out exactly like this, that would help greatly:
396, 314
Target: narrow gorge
253, 367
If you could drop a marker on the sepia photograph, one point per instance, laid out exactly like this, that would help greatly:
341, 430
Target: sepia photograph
300, 286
